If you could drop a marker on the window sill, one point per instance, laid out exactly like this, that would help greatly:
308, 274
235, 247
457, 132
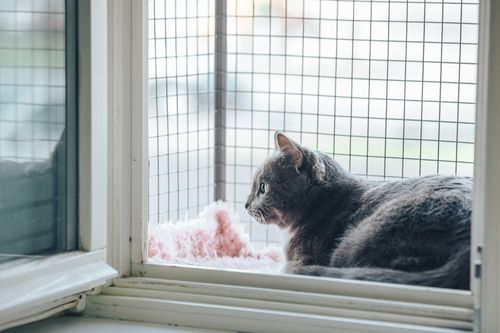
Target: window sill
292, 305
39, 288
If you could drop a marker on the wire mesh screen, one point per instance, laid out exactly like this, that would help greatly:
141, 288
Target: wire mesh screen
181, 107
38, 157
385, 87
32, 78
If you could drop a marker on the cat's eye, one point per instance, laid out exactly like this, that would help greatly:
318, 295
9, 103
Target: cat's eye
262, 188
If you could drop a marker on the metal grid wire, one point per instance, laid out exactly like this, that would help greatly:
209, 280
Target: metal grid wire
385, 87
181, 107
32, 78
37, 127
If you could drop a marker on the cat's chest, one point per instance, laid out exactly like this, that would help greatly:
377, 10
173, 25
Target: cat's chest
307, 249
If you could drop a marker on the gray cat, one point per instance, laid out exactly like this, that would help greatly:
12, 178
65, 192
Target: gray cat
409, 231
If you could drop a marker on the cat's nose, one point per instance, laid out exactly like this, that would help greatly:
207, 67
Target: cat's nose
247, 204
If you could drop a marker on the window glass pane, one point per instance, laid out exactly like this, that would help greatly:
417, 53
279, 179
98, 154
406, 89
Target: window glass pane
37, 127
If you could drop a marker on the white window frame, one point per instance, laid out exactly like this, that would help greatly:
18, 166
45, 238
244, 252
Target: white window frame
33, 289
486, 213
236, 300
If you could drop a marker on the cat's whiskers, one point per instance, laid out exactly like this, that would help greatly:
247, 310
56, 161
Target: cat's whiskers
262, 216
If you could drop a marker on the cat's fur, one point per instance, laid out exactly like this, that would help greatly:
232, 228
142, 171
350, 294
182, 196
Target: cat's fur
409, 231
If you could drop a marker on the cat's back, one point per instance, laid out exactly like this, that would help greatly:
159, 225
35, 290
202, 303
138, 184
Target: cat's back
408, 224
438, 187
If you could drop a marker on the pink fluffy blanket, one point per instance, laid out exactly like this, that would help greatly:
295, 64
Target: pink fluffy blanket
214, 239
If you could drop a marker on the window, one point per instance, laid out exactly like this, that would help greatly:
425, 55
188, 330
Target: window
236, 300
386, 88
38, 129
52, 157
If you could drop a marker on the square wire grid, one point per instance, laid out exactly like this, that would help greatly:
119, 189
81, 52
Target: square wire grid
38, 111
385, 87
181, 108
32, 78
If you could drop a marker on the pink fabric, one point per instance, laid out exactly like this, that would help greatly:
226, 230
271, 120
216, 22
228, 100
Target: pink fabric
215, 239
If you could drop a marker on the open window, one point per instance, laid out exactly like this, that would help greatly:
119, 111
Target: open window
50, 254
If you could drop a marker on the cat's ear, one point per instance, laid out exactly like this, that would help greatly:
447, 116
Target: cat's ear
289, 147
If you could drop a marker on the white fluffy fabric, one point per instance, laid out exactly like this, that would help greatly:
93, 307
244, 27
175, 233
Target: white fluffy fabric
214, 239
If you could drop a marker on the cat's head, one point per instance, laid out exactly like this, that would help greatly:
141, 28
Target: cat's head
283, 183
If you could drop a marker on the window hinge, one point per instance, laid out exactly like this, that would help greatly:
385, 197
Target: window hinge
80, 306
477, 269
477, 263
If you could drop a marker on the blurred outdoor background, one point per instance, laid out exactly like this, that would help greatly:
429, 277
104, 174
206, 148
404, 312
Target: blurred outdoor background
385, 87
37, 211
32, 78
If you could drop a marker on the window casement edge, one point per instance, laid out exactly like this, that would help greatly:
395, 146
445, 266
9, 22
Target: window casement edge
244, 301
486, 210
140, 164
253, 309
36, 288
45, 311
92, 124
41, 287
307, 284
128, 163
